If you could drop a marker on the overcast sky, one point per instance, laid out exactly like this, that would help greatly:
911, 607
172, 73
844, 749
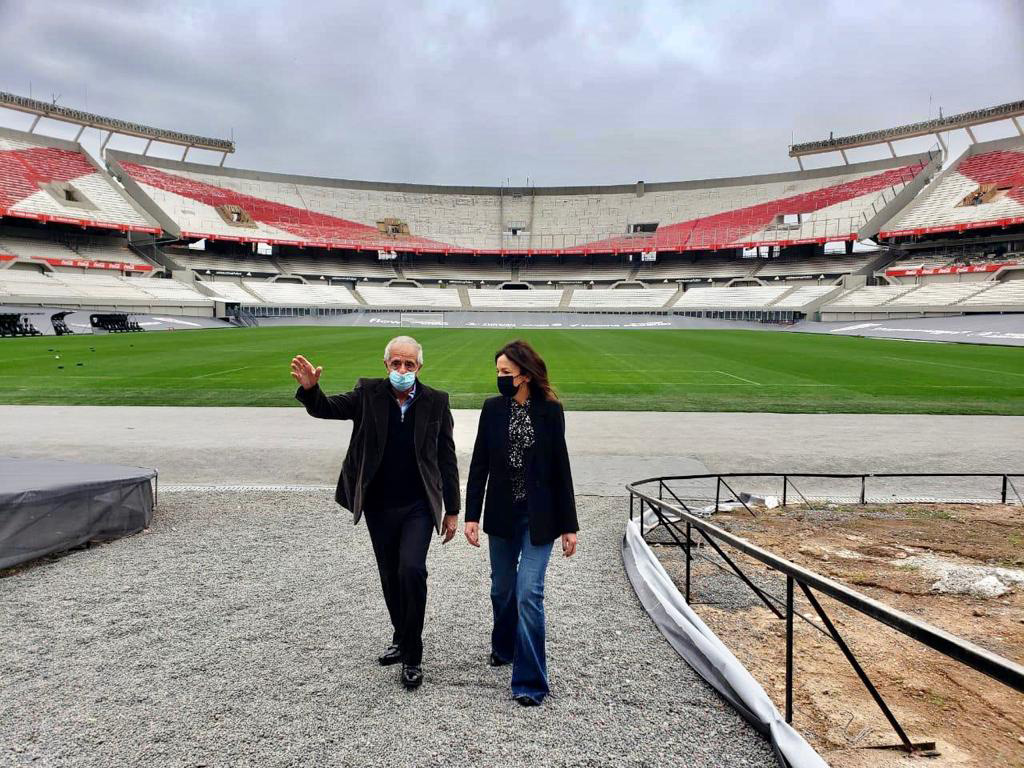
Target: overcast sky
472, 92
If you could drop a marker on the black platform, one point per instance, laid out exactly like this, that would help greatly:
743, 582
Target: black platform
49, 506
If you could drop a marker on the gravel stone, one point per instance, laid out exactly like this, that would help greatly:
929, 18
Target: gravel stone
243, 627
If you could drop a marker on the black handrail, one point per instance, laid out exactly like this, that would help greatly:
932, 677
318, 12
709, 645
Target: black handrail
1003, 477
997, 667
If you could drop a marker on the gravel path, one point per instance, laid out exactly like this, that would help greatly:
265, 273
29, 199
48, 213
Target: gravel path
242, 629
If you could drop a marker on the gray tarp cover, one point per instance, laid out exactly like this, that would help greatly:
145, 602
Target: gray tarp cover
49, 506
703, 651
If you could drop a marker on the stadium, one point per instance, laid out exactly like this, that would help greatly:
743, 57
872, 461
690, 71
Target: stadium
794, 409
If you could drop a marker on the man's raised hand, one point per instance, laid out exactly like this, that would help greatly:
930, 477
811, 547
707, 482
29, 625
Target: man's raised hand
304, 372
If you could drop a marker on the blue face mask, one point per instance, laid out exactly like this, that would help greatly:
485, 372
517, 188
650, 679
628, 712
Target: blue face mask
402, 381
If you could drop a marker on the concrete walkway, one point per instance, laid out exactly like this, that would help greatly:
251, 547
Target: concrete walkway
285, 446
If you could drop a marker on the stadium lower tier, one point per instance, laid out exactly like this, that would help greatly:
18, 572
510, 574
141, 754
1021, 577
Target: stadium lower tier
79, 289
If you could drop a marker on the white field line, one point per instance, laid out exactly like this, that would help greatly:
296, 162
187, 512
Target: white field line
220, 373
954, 365
734, 376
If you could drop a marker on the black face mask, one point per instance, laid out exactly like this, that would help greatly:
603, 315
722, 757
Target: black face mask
506, 387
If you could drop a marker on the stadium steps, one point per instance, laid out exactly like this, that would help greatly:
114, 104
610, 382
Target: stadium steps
398, 270
566, 298
984, 287
780, 297
673, 298
279, 266
464, 296
357, 296
816, 305
893, 298
149, 250
633, 272
883, 259
515, 273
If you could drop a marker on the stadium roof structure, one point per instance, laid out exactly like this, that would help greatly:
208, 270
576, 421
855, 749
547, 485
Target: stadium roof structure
112, 125
965, 120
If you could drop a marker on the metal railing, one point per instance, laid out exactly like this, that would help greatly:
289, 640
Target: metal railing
690, 531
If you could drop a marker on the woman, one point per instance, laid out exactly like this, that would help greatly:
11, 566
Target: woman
521, 458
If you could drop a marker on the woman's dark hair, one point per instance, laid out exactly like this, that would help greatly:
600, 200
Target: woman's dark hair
531, 364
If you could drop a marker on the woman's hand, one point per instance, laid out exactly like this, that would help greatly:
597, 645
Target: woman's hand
472, 531
568, 544
304, 372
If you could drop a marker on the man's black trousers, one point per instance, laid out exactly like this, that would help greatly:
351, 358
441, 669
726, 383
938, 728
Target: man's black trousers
401, 537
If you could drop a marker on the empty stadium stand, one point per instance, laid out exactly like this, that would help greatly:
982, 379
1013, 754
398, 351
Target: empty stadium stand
388, 296
870, 296
829, 266
52, 180
927, 299
743, 297
937, 295
75, 251
194, 201
227, 292
539, 298
804, 296
83, 289
202, 261
983, 189
1000, 297
300, 294
622, 298
332, 265
32, 286
277, 245
573, 270
694, 267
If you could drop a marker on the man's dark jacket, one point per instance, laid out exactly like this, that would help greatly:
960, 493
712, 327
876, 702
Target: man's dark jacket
550, 501
367, 406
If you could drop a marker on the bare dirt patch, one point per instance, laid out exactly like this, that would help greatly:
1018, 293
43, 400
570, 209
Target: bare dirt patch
958, 567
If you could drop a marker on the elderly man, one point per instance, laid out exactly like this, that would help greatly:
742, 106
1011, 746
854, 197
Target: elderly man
399, 467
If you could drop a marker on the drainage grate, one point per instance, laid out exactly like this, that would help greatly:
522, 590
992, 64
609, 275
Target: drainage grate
236, 488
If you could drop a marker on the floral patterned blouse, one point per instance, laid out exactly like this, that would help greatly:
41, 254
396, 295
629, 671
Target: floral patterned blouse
520, 439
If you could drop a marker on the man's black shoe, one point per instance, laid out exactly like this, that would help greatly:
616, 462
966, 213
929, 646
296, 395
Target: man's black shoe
527, 701
412, 676
496, 661
392, 655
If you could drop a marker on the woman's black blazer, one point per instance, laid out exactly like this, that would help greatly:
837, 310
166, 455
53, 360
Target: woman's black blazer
549, 495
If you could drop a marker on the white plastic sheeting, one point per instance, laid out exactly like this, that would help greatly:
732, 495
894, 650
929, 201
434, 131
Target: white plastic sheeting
702, 650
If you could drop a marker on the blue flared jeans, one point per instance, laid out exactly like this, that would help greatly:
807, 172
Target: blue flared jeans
517, 598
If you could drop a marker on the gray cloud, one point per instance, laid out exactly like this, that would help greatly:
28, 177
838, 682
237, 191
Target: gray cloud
562, 92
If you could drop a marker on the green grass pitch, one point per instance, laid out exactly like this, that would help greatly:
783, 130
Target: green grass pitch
667, 370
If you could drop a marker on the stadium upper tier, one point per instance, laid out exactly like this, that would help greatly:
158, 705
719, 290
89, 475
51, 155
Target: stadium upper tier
983, 188
193, 201
50, 179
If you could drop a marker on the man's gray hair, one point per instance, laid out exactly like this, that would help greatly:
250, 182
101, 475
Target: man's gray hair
404, 340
